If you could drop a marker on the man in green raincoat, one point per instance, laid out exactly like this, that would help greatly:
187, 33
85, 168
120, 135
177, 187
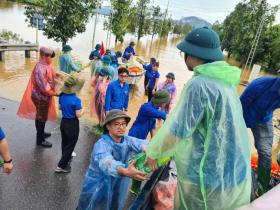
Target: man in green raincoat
206, 133
65, 61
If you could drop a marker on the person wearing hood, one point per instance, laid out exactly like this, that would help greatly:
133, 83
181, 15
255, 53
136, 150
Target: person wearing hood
106, 63
206, 133
95, 52
65, 61
95, 62
38, 100
114, 63
99, 85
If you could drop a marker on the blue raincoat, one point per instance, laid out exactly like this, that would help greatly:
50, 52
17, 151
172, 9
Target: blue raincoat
103, 188
66, 64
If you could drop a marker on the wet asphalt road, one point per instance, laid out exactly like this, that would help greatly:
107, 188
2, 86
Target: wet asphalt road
33, 185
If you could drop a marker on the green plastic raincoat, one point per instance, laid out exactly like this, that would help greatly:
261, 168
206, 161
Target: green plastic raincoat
207, 137
66, 64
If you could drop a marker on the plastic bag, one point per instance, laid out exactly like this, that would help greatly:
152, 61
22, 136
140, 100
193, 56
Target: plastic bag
140, 165
144, 200
164, 192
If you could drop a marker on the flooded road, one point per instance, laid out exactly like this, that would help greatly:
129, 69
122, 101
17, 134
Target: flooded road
15, 71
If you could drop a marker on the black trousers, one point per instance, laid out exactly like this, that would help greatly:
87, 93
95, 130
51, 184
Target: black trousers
42, 109
146, 81
40, 128
150, 93
69, 133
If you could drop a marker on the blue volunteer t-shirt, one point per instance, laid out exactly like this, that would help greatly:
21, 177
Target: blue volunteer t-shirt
117, 96
69, 104
93, 53
128, 50
146, 120
2, 134
153, 76
148, 68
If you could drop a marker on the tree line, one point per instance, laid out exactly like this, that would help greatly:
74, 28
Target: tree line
65, 18
141, 19
239, 29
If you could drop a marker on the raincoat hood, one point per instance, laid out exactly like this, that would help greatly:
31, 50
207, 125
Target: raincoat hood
220, 70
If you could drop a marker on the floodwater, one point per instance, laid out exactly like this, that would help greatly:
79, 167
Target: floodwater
15, 71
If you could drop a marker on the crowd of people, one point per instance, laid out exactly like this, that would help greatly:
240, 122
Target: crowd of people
205, 134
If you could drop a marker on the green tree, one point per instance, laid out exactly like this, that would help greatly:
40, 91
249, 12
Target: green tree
155, 20
9, 36
142, 18
181, 29
186, 29
120, 18
271, 49
166, 27
240, 27
275, 61
177, 29
218, 27
132, 26
63, 18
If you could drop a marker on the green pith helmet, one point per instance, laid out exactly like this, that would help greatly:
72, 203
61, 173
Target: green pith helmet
203, 43
160, 97
72, 85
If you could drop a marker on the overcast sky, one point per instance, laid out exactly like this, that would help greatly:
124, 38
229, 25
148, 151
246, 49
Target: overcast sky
210, 10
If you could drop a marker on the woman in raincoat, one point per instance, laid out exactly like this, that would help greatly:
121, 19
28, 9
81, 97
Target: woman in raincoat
206, 133
95, 62
38, 100
99, 84
106, 182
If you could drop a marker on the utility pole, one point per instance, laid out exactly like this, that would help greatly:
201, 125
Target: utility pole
37, 29
166, 11
252, 52
110, 35
110, 29
95, 24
